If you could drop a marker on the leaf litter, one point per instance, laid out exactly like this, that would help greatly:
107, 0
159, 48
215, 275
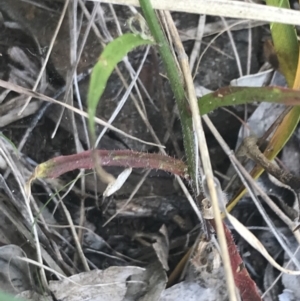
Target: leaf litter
154, 230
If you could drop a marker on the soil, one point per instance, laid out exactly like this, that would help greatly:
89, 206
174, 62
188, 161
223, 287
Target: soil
159, 200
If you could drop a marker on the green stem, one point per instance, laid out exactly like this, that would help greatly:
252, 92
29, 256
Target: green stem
176, 83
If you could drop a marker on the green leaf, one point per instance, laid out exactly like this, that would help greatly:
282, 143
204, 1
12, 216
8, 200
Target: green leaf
10, 142
240, 95
108, 60
6, 297
285, 44
229, 96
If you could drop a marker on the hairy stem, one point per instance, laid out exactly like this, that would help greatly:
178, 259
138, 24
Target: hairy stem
57, 166
176, 83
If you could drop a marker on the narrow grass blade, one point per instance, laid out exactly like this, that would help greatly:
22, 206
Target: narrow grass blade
257, 245
285, 44
108, 60
229, 96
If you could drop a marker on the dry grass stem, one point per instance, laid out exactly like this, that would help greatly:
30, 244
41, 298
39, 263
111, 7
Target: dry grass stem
198, 39
236, 55
48, 54
279, 276
124, 98
133, 193
223, 8
75, 237
226, 29
193, 102
21, 182
74, 63
28, 92
105, 23
247, 181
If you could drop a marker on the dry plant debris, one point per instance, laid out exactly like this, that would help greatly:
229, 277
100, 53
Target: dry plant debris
87, 89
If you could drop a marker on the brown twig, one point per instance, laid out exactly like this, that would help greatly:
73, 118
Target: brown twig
261, 141
203, 149
250, 149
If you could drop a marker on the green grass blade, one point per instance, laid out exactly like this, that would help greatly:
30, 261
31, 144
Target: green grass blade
108, 60
177, 85
229, 96
10, 142
285, 44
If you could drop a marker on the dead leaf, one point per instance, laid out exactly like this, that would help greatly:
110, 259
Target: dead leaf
96, 285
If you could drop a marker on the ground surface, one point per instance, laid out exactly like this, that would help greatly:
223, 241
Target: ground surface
128, 239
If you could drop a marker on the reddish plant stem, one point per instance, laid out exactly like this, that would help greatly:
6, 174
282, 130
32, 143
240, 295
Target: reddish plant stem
57, 166
242, 279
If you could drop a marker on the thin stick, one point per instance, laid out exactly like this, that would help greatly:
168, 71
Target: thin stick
225, 8
74, 66
75, 237
124, 98
21, 183
74, 58
211, 43
249, 54
28, 92
48, 54
246, 178
204, 155
236, 54
45, 106
135, 190
198, 40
